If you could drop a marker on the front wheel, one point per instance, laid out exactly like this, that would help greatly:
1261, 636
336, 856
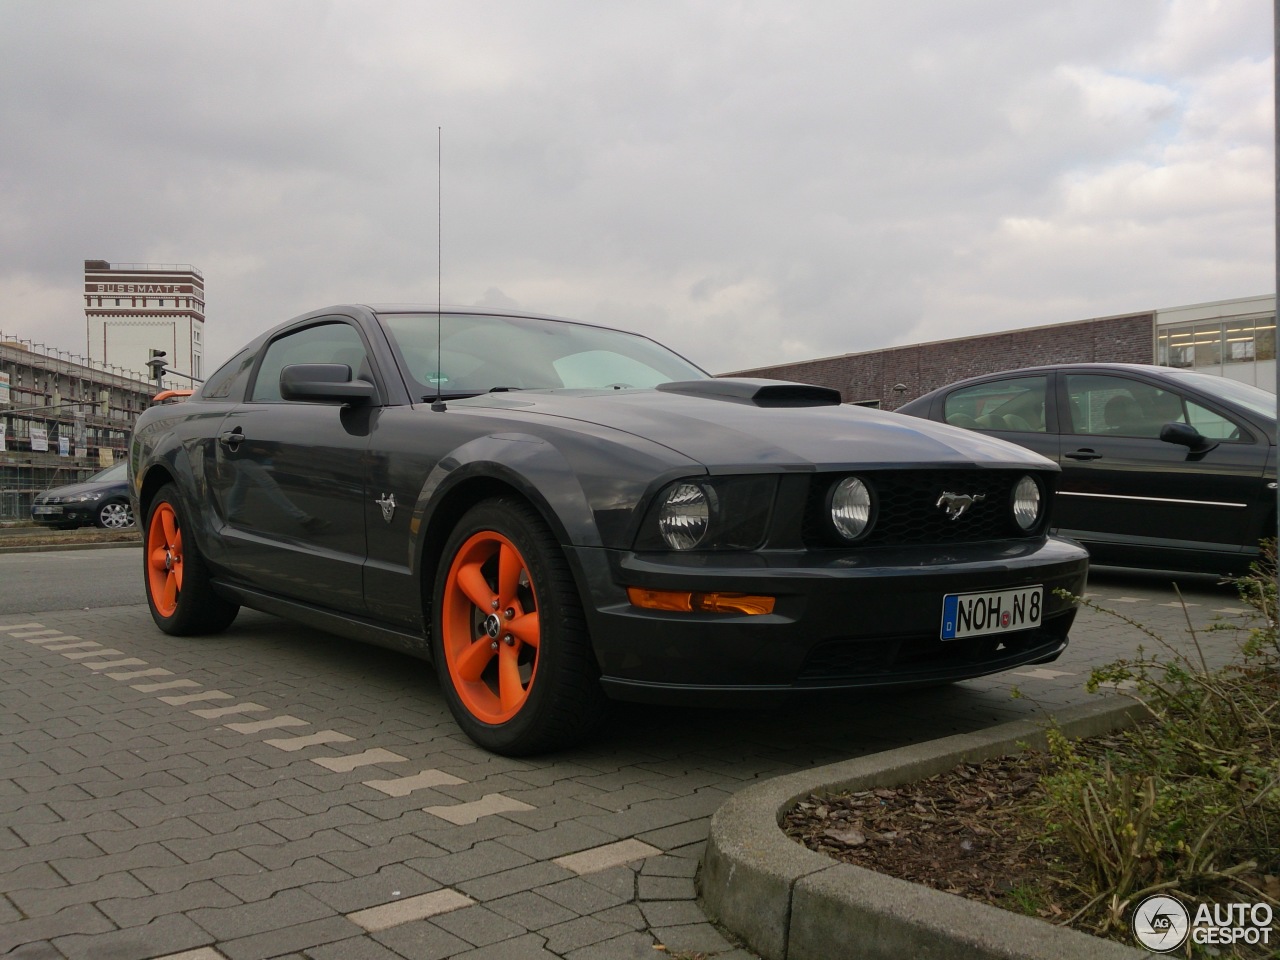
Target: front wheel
509, 639
115, 515
179, 591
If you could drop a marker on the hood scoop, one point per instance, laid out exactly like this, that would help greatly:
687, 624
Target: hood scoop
763, 393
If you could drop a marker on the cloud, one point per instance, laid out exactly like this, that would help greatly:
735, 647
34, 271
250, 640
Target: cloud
745, 182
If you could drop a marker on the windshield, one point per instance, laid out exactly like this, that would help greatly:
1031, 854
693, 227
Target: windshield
113, 474
1254, 399
484, 353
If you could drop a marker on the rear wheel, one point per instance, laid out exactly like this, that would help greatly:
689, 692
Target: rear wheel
509, 641
179, 593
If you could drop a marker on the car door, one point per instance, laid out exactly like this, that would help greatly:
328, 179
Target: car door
288, 480
1125, 486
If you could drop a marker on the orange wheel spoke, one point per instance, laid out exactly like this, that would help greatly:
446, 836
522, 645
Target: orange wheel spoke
526, 629
472, 661
509, 567
170, 596
510, 690
177, 574
169, 525
472, 582
158, 556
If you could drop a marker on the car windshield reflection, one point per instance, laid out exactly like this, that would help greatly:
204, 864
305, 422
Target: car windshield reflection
530, 354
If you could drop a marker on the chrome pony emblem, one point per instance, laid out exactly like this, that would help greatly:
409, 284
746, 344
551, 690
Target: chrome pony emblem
388, 505
958, 504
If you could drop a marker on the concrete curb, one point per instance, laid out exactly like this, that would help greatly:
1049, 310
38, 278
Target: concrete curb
50, 547
789, 903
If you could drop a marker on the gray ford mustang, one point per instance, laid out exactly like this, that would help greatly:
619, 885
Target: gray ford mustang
556, 513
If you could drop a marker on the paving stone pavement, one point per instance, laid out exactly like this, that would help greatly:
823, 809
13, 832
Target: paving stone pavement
277, 792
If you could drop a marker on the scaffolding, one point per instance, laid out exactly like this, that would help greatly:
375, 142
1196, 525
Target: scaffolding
63, 418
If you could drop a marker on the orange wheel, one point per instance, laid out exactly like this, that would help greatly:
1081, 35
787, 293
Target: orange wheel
164, 560
509, 637
490, 627
179, 588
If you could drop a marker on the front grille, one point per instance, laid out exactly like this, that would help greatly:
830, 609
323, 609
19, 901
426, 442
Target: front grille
907, 512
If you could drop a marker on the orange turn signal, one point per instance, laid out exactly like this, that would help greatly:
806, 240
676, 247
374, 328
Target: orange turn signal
699, 602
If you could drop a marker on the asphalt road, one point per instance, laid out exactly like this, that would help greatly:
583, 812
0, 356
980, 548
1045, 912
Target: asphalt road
277, 792
71, 579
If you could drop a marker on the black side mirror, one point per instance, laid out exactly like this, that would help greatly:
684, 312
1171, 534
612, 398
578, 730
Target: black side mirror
1185, 435
324, 382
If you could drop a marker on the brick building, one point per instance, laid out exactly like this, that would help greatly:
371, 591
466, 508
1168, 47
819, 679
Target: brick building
1233, 338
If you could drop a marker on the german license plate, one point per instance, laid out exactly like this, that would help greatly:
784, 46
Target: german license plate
987, 612
42, 511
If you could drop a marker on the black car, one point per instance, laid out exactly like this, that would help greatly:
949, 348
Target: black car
557, 513
1161, 467
103, 499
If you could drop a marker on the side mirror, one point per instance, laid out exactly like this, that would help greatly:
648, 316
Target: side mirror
1185, 435
325, 383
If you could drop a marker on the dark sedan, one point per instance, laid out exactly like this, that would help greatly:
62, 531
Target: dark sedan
103, 500
556, 513
1161, 467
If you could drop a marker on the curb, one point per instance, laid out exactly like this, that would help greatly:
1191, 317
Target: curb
49, 547
787, 902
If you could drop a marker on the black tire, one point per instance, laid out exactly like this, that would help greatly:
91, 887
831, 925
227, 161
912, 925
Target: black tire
174, 577
526, 697
114, 515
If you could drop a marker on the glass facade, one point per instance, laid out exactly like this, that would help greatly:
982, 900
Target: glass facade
1213, 345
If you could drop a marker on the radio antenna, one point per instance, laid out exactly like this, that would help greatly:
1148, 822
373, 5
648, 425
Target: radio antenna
438, 406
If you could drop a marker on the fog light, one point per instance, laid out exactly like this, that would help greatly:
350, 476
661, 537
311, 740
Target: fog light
1027, 502
851, 507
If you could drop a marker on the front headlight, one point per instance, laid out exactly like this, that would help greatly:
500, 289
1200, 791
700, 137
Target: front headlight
851, 506
1028, 502
84, 498
709, 513
685, 515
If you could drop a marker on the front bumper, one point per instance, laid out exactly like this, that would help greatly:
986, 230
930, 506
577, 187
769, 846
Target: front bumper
843, 619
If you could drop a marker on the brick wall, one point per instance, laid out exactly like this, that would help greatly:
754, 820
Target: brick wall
926, 366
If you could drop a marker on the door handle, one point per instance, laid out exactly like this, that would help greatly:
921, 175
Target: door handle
1083, 454
231, 438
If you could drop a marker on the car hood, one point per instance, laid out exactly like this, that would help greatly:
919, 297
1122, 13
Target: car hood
77, 489
728, 432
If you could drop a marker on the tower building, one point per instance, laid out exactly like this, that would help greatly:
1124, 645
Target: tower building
132, 309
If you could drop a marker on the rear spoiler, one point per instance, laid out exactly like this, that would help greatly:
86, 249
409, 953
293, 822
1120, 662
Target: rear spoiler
165, 395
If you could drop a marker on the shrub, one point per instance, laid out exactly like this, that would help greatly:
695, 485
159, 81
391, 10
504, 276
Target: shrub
1190, 801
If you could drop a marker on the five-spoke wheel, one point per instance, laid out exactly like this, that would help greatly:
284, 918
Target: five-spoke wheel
510, 642
179, 591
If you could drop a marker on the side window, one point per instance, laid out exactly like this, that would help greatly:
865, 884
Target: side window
1016, 404
323, 343
229, 378
1118, 406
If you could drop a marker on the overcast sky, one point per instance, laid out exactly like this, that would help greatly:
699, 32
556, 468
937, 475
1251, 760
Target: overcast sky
747, 182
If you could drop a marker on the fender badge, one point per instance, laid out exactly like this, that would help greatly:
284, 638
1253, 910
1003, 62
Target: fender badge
388, 505
958, 504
